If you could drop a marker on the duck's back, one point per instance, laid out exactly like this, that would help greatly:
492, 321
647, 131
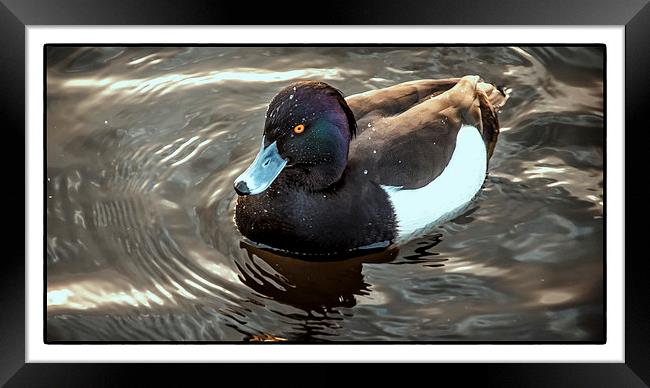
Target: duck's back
407, 133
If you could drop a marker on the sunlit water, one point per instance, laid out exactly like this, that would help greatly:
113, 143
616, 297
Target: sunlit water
143, 145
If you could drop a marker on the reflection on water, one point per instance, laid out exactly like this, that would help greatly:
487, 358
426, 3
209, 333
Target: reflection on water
330, 284
143, 145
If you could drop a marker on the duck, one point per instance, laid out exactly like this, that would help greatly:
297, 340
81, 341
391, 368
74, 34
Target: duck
344, 175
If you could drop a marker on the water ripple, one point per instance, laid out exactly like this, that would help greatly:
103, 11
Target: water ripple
143, 144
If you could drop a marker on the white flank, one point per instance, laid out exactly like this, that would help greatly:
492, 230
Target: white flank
419, 210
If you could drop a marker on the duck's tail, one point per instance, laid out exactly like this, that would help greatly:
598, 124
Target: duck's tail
478, 103
491, 99
496, 95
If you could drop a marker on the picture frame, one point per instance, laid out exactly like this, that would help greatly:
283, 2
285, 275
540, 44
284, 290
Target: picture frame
15, 16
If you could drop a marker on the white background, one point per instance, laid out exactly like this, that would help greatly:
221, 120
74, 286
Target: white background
612, 351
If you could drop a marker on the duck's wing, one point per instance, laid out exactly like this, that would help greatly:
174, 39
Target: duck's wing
411, 148
395, 99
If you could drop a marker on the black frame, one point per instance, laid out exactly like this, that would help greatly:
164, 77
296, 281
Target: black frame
16, 14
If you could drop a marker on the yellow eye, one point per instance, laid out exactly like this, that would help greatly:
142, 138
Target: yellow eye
299, 128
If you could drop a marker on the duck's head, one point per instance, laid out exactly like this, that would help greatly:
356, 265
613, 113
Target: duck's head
306, 139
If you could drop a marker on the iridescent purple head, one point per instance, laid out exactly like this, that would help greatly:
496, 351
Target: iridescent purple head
307, 136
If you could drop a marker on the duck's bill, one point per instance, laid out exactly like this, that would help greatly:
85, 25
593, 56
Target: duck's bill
262, 172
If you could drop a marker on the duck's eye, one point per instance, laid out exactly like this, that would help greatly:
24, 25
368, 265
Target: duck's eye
300, 128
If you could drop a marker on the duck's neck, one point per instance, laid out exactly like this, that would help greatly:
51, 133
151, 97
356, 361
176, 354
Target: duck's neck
319, 177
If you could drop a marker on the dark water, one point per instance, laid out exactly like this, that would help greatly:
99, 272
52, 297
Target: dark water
143, 145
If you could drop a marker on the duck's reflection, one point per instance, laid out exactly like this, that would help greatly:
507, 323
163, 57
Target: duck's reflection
309, 285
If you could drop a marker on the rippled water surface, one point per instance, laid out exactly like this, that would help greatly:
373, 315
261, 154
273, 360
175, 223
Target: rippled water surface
143, 145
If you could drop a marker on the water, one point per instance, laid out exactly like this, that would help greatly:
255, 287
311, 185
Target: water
143, 145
